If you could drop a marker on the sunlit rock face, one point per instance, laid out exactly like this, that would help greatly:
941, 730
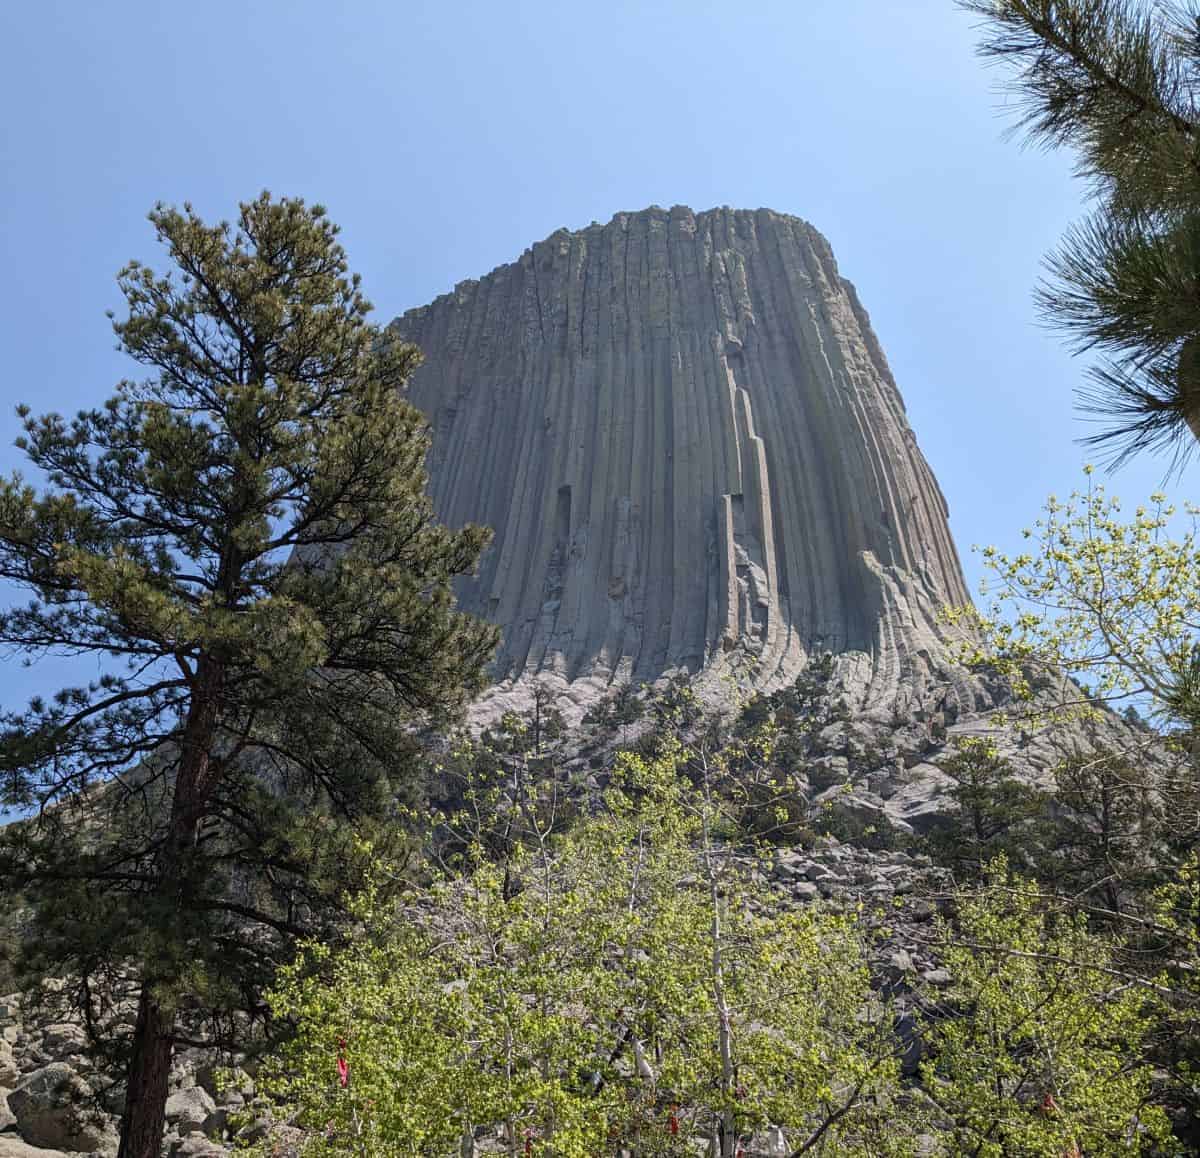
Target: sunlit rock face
686, 438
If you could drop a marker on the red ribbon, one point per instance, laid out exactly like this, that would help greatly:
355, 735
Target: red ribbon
673, 1120
343, 1067
528, 1141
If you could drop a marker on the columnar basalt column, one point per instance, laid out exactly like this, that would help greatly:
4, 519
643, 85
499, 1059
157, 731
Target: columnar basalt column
691, 450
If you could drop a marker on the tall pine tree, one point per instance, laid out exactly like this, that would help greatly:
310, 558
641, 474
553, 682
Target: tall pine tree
243, 544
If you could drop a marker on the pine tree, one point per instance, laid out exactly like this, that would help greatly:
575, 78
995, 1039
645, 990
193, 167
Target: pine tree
1106, 847
997, 812
1116, 81
244, 539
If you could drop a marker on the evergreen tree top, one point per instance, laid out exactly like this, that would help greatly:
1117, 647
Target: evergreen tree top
1118, 82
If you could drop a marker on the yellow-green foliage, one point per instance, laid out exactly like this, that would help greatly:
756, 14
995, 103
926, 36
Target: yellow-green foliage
1041, 1052
1177, 928
525, 994
1112, 601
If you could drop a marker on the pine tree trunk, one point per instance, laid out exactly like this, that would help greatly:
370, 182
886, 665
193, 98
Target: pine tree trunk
144, 1120
149, 1071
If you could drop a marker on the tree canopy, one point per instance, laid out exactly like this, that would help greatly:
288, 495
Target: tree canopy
624, 984
242, 543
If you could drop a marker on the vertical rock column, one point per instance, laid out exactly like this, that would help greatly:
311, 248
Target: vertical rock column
690, 448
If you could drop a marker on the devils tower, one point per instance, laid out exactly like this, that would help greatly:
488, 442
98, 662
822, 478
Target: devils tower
688, 443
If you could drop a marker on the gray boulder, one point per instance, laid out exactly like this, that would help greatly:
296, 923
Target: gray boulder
861, 807
11, 1147
112, 1097
195, 1146
924, 801
228, 1086
10, 1072
188, 1110
54, 1109
63, 1038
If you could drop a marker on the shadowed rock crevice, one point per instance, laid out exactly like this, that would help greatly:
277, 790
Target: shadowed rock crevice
691, 450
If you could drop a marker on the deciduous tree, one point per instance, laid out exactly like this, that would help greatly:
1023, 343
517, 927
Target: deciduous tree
1041, 1050
636, 990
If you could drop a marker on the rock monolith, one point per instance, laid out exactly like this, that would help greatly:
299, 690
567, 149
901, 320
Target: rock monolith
688, 443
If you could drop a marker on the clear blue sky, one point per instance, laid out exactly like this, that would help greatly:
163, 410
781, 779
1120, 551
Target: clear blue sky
447, 136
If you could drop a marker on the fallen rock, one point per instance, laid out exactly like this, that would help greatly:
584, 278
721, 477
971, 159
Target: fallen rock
195, 1146
216, 1125
257, 1130
11, 1147
112, 1097
908, 1030
63, 1038
188, 1110
925, 801
10, 1072
859, 808
52, 1109
228, 1086
900, 965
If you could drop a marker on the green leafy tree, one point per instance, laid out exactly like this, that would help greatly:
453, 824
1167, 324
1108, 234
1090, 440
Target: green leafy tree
1109, 603
1116, 81
1108, 599
1040, 1053
244, 539
502, 789
1172, 939
636, 991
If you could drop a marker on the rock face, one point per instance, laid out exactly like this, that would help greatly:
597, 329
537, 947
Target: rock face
692, 453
